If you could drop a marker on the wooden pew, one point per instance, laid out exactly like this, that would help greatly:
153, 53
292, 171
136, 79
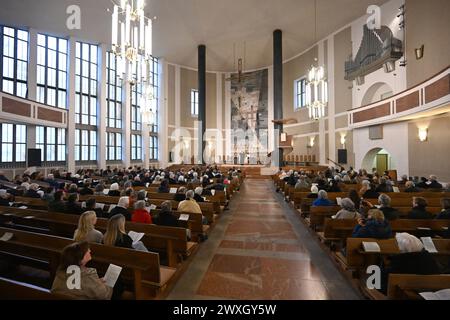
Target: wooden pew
32, 202
15, 290
336, 230
140, 269
400, 284
356, 259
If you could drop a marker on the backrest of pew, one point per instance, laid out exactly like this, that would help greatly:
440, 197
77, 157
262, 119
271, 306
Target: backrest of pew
356, 260
318, 214
397, 282
15, 290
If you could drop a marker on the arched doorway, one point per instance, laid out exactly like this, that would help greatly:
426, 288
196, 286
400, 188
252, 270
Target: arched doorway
378, 158
378, 91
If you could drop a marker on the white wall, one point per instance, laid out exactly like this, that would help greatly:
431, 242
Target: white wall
396, 79
395, 142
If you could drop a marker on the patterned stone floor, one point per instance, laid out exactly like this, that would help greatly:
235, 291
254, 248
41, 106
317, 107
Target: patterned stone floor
259, 250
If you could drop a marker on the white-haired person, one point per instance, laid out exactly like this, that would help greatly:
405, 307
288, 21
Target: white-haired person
4, 198
121, 208
314, 192
114, 190
413, 259
198, 194
348, 210
322, 200
189, 205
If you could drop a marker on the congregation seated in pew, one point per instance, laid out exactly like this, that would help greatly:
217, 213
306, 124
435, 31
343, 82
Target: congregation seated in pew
72, 205
384, 202
348, 210
413, 259
92, 287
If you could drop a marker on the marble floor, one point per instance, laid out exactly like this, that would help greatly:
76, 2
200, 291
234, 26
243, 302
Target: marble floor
259, 250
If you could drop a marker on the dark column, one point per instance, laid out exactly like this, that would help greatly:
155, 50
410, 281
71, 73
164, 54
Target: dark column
278, 85
201, 100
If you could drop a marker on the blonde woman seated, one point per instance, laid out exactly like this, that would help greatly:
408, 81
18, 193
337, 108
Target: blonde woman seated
348, 210
116, 235
86, 228
91, 286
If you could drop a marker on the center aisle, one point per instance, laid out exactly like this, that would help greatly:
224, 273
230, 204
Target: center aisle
260, 250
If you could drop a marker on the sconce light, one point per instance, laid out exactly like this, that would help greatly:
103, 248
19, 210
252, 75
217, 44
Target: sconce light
389, 66
283, 137
311, 142
343, 140
423, 134
419, 52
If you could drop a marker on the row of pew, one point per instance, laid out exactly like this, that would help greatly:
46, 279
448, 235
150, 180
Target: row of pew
40, 236
348, 254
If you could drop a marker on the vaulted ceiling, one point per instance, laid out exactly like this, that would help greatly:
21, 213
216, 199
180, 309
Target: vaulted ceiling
229, 28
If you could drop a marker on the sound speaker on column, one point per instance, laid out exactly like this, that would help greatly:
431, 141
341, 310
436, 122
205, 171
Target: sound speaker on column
34, 158
342, 156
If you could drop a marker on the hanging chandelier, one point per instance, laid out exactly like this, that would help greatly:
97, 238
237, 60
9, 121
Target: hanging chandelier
316, 84
316, 93
148, 106
135, 46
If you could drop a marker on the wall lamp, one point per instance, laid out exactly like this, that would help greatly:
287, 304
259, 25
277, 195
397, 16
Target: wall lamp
423, 134
419, 52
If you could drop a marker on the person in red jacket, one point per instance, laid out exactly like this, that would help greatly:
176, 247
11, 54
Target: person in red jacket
140, 214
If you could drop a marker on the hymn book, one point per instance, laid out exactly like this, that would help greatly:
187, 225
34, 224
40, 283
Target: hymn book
428, 244
184, 217
338, 201
438, 295
173, 190
371, 247
112, 274
396, 189
7, 236
136, 236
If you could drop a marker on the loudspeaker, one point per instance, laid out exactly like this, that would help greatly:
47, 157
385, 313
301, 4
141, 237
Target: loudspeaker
34, 158
342, 156
170, 156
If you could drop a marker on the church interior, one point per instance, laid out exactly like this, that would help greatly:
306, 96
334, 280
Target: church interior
224, 150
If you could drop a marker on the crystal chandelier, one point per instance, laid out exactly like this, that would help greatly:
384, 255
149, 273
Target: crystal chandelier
148, 106
316, 93
135, 46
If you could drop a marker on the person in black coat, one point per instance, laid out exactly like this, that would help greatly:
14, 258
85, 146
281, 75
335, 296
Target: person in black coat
4, 198
91, 206
181, 194
413, 259
166, 217
433, 183
114, 190
72, 206
86, 190
32, 192
419, 209
121, 208
198, 194
57, 205
164, 187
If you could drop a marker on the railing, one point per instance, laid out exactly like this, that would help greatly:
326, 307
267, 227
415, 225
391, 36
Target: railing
20, 110
430, 94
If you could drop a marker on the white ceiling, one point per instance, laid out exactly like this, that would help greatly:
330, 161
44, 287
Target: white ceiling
221, 25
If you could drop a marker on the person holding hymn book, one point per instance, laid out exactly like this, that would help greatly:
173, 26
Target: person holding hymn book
140, 214
375, 226
86, 228
419, 210
116, 235
413, 259
91, 286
